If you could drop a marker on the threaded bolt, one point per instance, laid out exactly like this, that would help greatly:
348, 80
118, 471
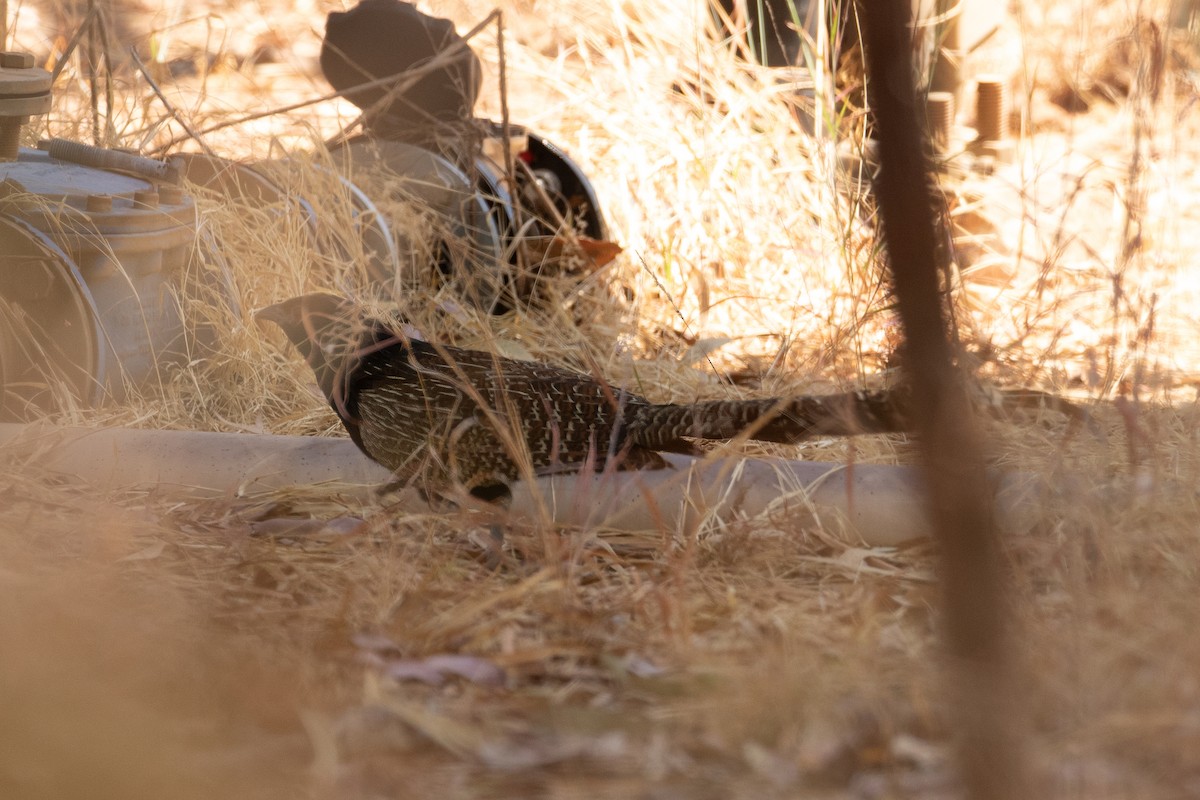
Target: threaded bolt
10, 137
89, 156
991, 108
146, 199
23, 95
939, 116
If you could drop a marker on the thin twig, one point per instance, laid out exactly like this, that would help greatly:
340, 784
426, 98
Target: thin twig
510, 171
72, 44
110, 102
403, 81
93, 10
171, 109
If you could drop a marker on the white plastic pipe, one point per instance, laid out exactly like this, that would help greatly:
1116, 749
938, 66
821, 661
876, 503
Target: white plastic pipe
880, 504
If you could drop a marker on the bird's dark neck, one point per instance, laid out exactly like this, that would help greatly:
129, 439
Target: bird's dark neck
325, 365
338, 358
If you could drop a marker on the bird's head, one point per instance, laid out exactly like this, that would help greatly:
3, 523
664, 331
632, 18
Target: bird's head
310, 318
323, 328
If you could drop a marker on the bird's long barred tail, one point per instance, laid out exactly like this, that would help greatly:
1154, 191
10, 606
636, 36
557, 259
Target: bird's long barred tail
664, 427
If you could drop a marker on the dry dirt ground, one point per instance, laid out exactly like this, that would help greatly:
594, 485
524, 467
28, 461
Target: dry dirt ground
303, 644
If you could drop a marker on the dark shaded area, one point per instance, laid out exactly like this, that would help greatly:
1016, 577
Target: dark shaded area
770, 29
381, 38
960, 490
775, 30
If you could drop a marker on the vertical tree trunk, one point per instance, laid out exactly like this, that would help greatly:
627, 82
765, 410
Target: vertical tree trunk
952, 446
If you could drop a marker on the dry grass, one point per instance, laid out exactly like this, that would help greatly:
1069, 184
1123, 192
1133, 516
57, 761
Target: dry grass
159, 645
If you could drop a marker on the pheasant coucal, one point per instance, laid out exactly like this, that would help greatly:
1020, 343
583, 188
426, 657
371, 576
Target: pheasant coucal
444, 416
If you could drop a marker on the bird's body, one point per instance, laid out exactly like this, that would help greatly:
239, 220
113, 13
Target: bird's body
444, 416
